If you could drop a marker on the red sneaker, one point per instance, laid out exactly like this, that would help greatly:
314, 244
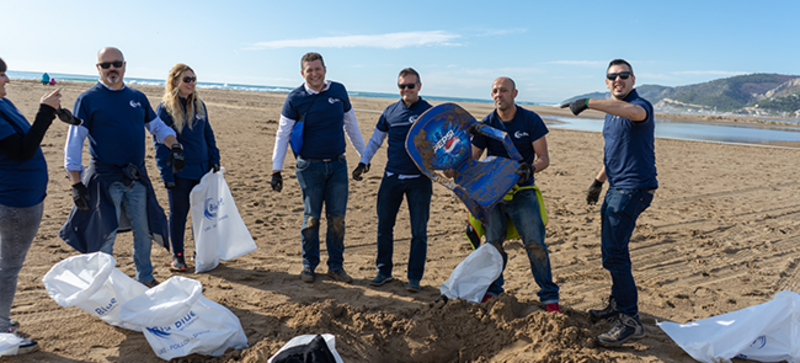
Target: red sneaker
553, 308
486, 298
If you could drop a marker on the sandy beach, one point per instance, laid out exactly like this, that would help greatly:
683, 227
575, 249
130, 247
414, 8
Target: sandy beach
722, 234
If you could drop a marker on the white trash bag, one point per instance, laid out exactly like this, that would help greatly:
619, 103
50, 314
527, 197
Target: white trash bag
219, 231
330, 341
769, 332
93, 283
9, 344
472, 277
178, 320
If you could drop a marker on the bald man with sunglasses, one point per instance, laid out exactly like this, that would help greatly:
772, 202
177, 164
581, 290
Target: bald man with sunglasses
629, 165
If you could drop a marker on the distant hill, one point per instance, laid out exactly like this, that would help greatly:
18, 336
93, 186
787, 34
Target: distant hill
755, 94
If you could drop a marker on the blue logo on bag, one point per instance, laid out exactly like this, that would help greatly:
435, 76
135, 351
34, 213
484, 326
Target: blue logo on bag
181, 323
159, 332
102, 310
211, 208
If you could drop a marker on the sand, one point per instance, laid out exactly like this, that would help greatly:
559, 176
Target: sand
721, 235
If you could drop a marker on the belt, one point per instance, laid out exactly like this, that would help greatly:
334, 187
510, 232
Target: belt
325, 160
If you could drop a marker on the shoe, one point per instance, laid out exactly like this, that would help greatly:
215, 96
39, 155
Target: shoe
380, 279
150, 284
486, 297
413, 286
27, 346
307, 275
609, 313
340, 275
553, 308
178, 263
626, 328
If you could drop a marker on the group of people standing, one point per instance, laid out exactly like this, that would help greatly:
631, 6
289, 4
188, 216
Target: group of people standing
114, 192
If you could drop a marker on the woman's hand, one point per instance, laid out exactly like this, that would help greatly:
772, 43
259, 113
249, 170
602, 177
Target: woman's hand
53, 99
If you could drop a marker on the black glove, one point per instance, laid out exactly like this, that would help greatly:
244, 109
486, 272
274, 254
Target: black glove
576, 106
593, 194
176, 158
214, 167
525, 171
80, 195
169, 185
67, 117
360, 169
277, 182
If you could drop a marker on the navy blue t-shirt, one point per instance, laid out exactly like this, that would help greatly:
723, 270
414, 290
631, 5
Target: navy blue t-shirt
629, 154
396, 120
115, 120
22, 183
323, 135
199, 145
524, 129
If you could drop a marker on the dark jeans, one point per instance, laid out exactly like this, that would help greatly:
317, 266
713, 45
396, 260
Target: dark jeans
620, 210
179, 204
418, 197
323, 182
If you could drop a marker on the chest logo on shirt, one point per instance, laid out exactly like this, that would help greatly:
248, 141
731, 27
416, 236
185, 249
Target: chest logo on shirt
135, 104
412, 119
333, 100
520, 134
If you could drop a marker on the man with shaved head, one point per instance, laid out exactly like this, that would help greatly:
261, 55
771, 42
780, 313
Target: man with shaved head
114, 192
521, 207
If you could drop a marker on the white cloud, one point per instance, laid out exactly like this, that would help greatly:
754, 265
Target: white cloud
385, 41
709, 73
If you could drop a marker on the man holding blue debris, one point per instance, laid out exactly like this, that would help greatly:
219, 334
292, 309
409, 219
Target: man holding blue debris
629, 165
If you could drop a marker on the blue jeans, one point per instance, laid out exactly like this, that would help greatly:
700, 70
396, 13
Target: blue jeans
134, 199
418, 193
323, 182
523, 211
620, 210
18, 227
178, 210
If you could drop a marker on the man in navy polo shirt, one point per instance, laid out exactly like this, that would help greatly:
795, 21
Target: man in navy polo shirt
115, 193
402, 177
326, 114
629, 165
527, 131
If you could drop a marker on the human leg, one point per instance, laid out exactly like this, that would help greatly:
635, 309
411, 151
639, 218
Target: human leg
134, 200
390, 197
418, 197
311, 177
335, 195
115, 192
495, 232
523, 210
178, 211
619, 212
18, 227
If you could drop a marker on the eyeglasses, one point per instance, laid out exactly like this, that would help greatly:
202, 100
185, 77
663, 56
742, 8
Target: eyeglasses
189, 79
622, 75
107, 65
407, 85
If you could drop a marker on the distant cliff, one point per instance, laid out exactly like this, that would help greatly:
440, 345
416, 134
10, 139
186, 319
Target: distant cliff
755, 94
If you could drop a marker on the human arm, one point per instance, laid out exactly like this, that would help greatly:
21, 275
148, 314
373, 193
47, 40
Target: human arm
25, 147
593, 194
211, 142
619, 108
353, 132
372, 147
542, 155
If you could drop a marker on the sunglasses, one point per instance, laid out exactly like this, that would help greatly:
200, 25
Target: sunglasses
189, 79
107, 65
407, 85
622, 75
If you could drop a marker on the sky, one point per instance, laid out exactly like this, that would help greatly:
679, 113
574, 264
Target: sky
553, 50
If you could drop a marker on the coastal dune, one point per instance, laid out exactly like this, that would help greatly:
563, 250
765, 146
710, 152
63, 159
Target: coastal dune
722, 234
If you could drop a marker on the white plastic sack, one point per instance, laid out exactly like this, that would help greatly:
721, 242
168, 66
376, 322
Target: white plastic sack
330, 340
178, 320
219, 231
769, 332
93, 283
9, 344
472, 277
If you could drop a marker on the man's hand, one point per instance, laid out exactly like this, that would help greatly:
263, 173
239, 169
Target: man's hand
214, 167
80, 195
169, 185
176, 158
360, 169
68, 117
277, 182
593, 194
525, 171
577, 106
